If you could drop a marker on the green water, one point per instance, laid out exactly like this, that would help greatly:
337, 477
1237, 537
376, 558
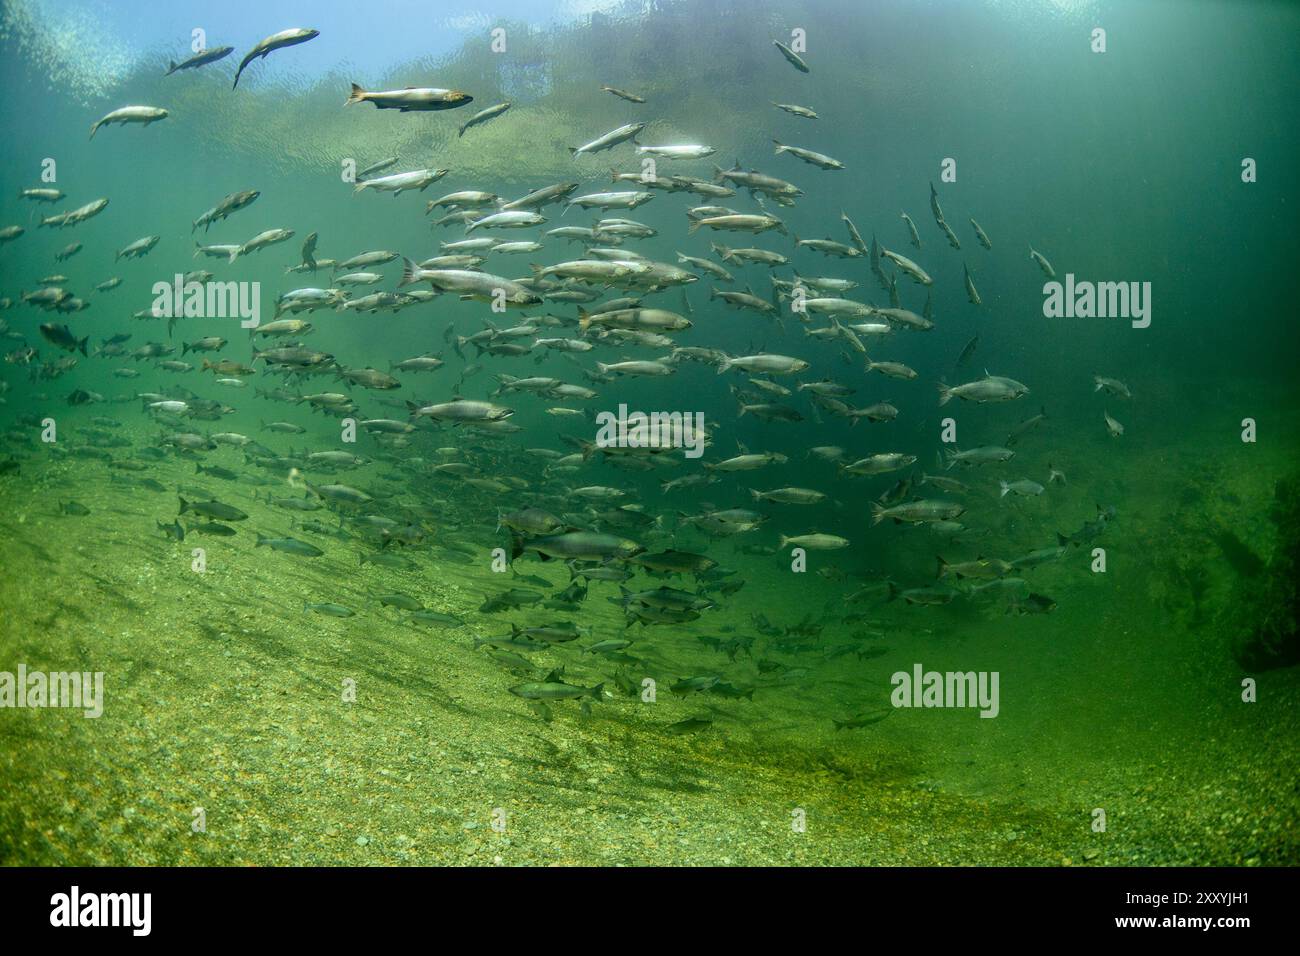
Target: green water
373, 739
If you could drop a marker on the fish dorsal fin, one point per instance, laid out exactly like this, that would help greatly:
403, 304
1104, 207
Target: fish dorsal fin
554, 677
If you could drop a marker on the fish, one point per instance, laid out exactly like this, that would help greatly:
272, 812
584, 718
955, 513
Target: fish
80, 214
1033, 604
623, 94
409, 99
61, 336
1042, 555
213, 509
508, 219
911, 228
991, 388
864, 719
575, 545
231, 203
553, 688
609, 140
968, 350
397, 183
461, 410
201, 58
794, 59
814, 542
42, 194
329, 609
918, 511
983, 455
820, 160
290, 546
481, 117
260, 241
879, 464
212, 527
144, 115
1111, 386
684, 151
276, 41
796, 110
950, 235
933, 596
972, 295
935, 209
909, 268
767, 363
1042, 263
469, 283
1028, 425
137, 249
541, 198
1023, 487
688, 725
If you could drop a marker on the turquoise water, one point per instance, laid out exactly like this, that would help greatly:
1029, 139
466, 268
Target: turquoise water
378, 738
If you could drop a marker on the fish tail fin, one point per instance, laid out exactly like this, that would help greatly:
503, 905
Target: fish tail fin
356, 96
409, 272
1005, 488
877, 512
945, 394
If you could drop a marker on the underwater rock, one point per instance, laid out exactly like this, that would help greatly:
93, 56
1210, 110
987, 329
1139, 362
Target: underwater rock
1262, 619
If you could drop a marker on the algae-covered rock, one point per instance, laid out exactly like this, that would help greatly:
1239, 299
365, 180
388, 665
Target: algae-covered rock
1262, 618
